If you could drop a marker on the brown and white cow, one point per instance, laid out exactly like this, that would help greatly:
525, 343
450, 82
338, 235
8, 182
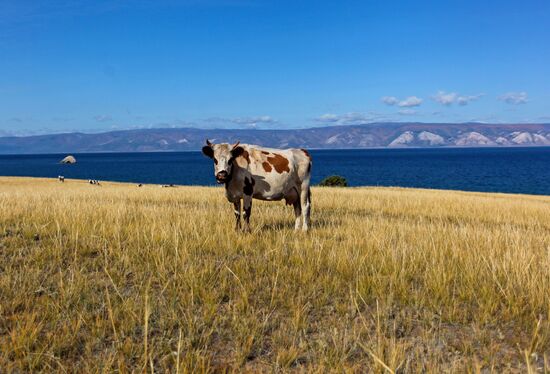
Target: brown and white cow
250, 171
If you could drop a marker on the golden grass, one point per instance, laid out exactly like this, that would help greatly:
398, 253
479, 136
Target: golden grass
121, 278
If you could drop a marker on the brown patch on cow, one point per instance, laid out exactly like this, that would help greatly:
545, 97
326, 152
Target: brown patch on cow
248, 186
246, 156
306, 153
267, 166
265, 153
279, 162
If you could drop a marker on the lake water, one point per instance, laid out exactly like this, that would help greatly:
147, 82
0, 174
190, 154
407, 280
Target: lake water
514, 170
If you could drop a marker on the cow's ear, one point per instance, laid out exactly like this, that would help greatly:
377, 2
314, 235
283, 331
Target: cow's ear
237, 151
208, 151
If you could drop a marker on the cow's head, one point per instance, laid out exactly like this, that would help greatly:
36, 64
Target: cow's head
224, 157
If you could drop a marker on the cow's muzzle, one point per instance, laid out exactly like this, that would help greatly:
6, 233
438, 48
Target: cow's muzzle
221, 177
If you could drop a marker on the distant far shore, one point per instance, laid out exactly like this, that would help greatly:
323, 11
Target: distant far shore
167, 151
362, 136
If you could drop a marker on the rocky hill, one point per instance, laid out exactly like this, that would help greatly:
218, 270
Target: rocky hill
375, 135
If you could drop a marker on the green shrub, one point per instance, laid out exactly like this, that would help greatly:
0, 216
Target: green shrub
334, 181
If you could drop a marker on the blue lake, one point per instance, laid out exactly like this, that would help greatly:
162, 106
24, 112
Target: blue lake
513, 170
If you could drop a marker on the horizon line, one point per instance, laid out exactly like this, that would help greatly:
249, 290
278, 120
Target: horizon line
68, 132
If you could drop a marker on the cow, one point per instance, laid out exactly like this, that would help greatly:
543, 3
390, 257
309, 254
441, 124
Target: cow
253, 172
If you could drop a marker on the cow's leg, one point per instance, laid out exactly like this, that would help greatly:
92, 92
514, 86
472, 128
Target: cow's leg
305, 202
298, 215
237, 208
247, 202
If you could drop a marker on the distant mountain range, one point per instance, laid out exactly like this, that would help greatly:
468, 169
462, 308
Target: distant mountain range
375, 135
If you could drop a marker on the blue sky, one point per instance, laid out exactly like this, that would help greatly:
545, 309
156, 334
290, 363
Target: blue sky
96, 66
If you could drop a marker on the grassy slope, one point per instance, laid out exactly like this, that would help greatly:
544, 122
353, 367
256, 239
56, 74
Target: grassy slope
120, 277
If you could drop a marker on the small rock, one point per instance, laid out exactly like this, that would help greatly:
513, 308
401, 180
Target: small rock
69, 160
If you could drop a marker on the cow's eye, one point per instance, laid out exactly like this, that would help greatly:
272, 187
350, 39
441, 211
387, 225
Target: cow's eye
215, 162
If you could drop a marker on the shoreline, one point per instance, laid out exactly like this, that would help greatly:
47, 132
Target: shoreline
315, 187
311, 149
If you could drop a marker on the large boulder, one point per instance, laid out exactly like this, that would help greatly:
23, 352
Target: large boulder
69, 160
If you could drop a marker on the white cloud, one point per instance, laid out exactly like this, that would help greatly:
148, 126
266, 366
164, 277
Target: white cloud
407, 112
491, 118
390, 100
62, 119
465, 100
103, 118
253, 121
328, 117
352, 118
445, 98
450, 98
514, 98
410, 101
249, 122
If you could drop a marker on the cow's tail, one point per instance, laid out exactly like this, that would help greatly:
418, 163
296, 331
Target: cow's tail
309, 176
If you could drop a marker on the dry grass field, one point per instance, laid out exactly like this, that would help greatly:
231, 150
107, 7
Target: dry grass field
120, 278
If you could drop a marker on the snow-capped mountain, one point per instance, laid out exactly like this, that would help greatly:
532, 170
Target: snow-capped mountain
373, 135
